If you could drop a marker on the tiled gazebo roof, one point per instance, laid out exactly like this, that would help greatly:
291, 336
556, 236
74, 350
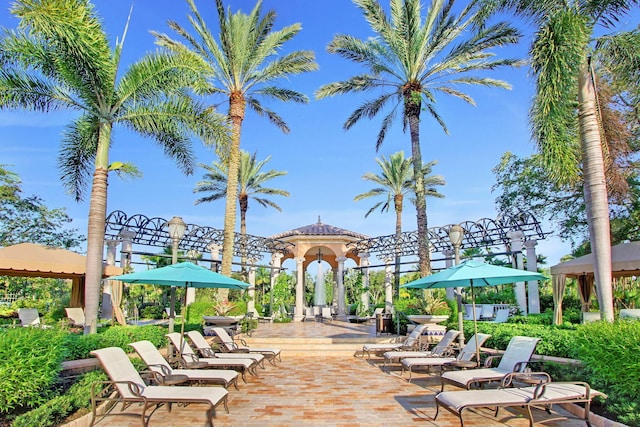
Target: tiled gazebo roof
319, 229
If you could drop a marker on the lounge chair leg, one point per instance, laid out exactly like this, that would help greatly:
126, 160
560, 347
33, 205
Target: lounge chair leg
235, 383
211, 413
226, 405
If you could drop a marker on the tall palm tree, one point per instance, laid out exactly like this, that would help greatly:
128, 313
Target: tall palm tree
410, 61
395, 181
60, 58
244, 67
569, 135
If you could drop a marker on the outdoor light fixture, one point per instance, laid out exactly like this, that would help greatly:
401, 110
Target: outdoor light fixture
456, 234
319, 256
177, 228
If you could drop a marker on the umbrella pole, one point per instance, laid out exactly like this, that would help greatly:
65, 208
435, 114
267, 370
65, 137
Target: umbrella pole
475, 323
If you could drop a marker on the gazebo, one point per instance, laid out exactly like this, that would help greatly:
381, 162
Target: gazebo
625, 261
34, 260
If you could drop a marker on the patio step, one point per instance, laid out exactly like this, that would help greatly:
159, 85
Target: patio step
320, 347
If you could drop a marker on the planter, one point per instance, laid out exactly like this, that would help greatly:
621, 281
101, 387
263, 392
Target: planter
427, 318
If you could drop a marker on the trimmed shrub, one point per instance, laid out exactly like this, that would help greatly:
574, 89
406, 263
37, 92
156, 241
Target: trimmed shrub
80, 346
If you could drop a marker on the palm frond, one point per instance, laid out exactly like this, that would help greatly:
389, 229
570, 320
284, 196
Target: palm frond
77, 155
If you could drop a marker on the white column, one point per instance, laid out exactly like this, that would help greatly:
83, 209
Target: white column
319, 296
364, 263
448, 262
251, 304
520, 290
106, 311
299, 290
532, 285
388, 285
214, 249
276, 263
342, 307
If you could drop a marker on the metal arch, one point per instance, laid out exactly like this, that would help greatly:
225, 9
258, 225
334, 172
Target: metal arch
153, 232
485, 232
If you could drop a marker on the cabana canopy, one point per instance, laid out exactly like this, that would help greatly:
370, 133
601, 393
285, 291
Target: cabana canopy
34, 260
625, 261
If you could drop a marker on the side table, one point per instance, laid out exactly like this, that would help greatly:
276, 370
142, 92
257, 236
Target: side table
173, 379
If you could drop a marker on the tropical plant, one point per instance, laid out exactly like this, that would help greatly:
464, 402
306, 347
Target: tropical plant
60, 58
565, 116
251, 179
242, 68
396, 181
410, 61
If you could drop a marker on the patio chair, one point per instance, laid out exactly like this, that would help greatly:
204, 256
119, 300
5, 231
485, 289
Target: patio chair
514, 359
409, 342
591, 316
544, 395
130, 388
76, 317
502, 315
188, 359
228, 345
373, 317
30, 317
467, 354
487, 312
468, 314
443, 349
157, 364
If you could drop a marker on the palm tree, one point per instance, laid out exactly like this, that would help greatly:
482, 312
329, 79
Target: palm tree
569, 135
60, 58
410, 61
250, 184
243, 67
395, 181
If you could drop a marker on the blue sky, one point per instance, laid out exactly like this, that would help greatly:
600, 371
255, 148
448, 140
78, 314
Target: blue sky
324, 163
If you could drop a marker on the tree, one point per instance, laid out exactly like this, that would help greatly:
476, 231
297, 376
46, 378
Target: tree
396, 180
28, 219
410, 61
243, 68
565, 119
60, 58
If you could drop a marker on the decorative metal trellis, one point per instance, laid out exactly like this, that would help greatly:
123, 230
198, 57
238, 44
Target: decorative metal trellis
154, 232
484, 233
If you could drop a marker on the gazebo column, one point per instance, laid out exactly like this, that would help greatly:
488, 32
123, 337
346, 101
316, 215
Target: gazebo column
276, 264
448, 262
516, 248
532, 285
342, 309
299, 315
214, 249
388, 285
364, 263
320, 296
106, 311
251, 304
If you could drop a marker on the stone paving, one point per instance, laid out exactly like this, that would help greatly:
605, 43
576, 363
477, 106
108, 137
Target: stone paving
335, 391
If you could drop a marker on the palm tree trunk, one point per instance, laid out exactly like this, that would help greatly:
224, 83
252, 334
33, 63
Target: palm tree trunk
236, 114
244, 205
398, 202
412, 111
595, 190
95, 230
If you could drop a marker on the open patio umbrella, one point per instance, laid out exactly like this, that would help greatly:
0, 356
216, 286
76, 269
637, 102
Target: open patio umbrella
184, 274
472, 274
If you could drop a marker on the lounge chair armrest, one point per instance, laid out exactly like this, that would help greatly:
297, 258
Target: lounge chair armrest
241, 341
163, 369
539, 377
541, 389
134, 388
188, 359
488, 362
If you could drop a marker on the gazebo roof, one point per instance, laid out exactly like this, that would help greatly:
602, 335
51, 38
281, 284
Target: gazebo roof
625, 261
319, 229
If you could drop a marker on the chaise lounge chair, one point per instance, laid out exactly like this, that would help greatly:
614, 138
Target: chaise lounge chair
205, 350
130, 388
230, 345
161, 368
190, 360
514, 359
467, 354
410, 342
444, 348
76, 317
29, 317
541, 395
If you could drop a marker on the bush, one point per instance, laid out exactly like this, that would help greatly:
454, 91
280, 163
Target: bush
30, 361
80, 346
152, 312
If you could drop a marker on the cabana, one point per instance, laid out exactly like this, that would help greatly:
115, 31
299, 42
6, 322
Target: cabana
34, 260
625, 261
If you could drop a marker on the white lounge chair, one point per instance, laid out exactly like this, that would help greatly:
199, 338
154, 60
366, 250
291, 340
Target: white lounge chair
541, 395
514, 359
30, 317
502, 315
130, 388
467, 354
76, 317
190, 360
487, 312
408, 342
157, 364
228, 345
442, 349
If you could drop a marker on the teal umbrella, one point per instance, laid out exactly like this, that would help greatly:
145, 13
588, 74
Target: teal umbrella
185, 274
472, 274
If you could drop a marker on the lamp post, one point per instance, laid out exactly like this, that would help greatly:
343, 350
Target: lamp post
456, 234
177, 228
